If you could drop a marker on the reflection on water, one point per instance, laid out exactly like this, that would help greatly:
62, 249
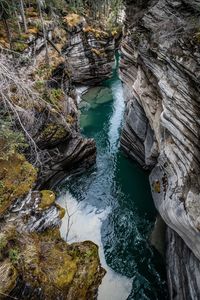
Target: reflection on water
111, 205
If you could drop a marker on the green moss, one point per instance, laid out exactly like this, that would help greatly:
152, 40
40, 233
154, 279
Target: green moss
10, 141
56, 94
55, 97
17, 178
19, 46
23, 36
61, 211
54, 132
14, 255
47, 199
64, 267
91, 252
56, 266
3, 241
40, 85
87, 255
45, 261
38, 25
1, 185
44, 71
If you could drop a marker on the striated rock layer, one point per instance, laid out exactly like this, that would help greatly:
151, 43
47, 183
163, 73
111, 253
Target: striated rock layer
90, 53
183, 268
53, 123
160, 68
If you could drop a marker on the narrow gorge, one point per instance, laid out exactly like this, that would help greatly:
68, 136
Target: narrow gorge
99, 155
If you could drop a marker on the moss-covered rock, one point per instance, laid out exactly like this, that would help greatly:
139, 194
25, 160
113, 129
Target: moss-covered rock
47, 199
53, 133
62, 211
20, 46
44, 261
17, 177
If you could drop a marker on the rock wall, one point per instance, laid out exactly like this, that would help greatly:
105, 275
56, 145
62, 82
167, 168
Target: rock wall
90, 53
183, 269
160, 68
35, 263
78, 54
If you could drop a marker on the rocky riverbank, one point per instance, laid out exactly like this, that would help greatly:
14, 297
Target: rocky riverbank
160, 69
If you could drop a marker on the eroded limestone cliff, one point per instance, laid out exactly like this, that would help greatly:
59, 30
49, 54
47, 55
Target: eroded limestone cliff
160, 68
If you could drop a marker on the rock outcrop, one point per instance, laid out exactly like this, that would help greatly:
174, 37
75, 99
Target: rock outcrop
35, 263
90, 52
160, 68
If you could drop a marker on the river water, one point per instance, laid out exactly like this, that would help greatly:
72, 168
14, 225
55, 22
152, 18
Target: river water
111, 204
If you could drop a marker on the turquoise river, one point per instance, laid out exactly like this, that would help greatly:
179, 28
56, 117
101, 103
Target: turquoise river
111, 204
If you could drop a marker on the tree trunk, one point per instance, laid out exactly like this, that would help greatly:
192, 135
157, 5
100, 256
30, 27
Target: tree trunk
44, 31
16, 16
23, 15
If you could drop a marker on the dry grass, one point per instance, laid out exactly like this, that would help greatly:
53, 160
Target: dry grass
72, 20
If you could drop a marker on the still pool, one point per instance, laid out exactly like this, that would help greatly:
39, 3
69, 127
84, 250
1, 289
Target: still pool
111, 204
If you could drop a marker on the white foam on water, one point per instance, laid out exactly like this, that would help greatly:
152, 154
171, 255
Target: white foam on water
117, 116
85, 224
80, 90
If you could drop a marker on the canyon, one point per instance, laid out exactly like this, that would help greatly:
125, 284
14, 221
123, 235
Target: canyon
159, 67
160, 71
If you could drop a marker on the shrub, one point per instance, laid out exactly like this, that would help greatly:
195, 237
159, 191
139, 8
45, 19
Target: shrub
10, 141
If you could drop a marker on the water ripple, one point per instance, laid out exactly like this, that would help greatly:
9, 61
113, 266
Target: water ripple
111, 205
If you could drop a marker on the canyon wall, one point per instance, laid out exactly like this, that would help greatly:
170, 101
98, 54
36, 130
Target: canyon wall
90, 53
160, 69
35, 263
78, 54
